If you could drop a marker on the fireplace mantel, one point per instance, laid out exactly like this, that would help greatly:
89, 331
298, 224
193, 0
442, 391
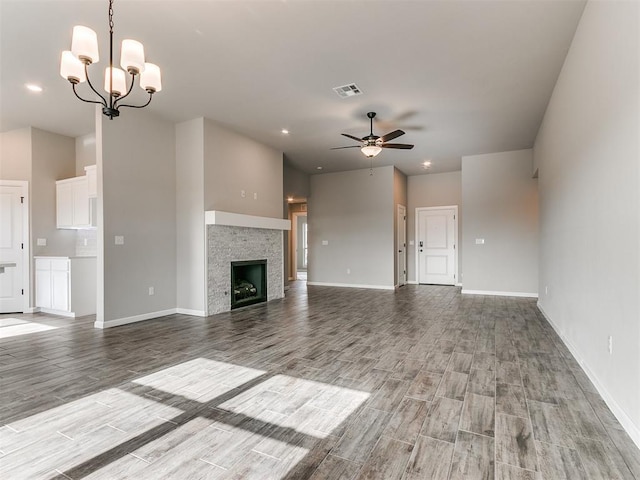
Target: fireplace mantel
216, 217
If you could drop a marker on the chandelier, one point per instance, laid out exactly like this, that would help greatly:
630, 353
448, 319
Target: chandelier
84, 51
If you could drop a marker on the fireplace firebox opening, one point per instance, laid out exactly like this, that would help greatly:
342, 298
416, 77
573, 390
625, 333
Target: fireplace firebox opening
248, 283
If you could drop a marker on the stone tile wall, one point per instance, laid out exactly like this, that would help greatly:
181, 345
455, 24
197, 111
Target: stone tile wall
227, 244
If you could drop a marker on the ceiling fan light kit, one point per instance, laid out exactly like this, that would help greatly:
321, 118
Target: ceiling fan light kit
74, 65
372, 145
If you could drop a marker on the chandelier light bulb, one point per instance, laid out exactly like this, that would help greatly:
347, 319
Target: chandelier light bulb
71, 68
84, 44
132, 56
119, 83
150, 79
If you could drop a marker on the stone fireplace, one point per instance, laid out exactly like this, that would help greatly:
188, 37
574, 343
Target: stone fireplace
240, 239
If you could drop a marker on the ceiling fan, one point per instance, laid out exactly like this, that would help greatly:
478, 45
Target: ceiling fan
372, 145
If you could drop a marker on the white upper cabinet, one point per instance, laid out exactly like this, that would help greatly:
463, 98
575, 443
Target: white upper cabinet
72, 203
91, 173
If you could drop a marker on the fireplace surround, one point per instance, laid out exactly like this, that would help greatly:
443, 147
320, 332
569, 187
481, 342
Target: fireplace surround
231, 238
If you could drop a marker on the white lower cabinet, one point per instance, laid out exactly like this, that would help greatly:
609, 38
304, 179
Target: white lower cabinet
66, 285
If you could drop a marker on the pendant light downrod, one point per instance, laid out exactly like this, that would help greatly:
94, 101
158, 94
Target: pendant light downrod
74, 65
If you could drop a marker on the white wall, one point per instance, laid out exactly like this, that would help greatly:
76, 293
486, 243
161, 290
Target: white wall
85, 152
587, 152
432, 190
191, 251
136, 199
353, 211
15, 155
232, 163
500, 201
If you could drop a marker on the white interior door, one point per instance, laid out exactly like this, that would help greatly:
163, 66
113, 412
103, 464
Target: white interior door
436, 245
12, 248
402, 244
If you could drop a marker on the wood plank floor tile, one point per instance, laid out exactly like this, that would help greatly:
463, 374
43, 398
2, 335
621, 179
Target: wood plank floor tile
387, 461
336, 468
510, 399
478, 414
424, 386
430, 458
473, 457
453, 385
514, 442
362, 435
443, 419
509, 472
561, 463
482, 382
407, 421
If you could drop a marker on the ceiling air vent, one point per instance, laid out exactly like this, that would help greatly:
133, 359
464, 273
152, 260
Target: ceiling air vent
348, 90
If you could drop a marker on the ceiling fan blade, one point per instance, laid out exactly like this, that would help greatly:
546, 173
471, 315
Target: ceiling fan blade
351, 137
402, 146
350, 146
391, 135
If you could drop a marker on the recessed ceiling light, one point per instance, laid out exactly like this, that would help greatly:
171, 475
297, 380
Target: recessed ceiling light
426, 164
33, 87
285, 131
318, 168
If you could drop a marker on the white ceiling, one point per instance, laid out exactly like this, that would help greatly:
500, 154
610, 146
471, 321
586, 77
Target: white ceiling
460, 77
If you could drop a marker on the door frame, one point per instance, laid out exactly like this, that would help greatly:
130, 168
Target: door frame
404, 230
26, 257
455, 238
293, 260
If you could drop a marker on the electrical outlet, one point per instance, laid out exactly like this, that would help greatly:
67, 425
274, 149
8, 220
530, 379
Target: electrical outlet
255, 195
325, 242
86, 242
42, 242
479, 241
243, 193
610, 345
151, 291
119, 240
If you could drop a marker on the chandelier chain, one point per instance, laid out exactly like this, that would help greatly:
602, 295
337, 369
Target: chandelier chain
110, 16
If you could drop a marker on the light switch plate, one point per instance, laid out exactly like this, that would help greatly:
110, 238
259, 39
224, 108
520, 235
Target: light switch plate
479, 241
119, 240
325, 242
411, 242
42, 242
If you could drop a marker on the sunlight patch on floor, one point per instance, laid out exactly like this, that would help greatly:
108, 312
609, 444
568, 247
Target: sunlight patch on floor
12, 327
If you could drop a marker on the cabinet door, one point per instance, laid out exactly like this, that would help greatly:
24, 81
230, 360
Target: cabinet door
81, 203
43, 288
64, 205
91, 180
60, 290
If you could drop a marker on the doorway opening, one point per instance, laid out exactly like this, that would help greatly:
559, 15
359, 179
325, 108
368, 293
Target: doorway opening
298, 242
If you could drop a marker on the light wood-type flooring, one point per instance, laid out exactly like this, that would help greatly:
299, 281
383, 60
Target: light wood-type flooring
422, 383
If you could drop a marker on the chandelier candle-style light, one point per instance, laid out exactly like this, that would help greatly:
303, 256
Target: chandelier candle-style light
84, 51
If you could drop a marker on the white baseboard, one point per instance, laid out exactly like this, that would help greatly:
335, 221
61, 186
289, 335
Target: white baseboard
188, 311
133, 319
499, 294
412, 282
62, 313
619, 413
352, 285
458, 284
31, 310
